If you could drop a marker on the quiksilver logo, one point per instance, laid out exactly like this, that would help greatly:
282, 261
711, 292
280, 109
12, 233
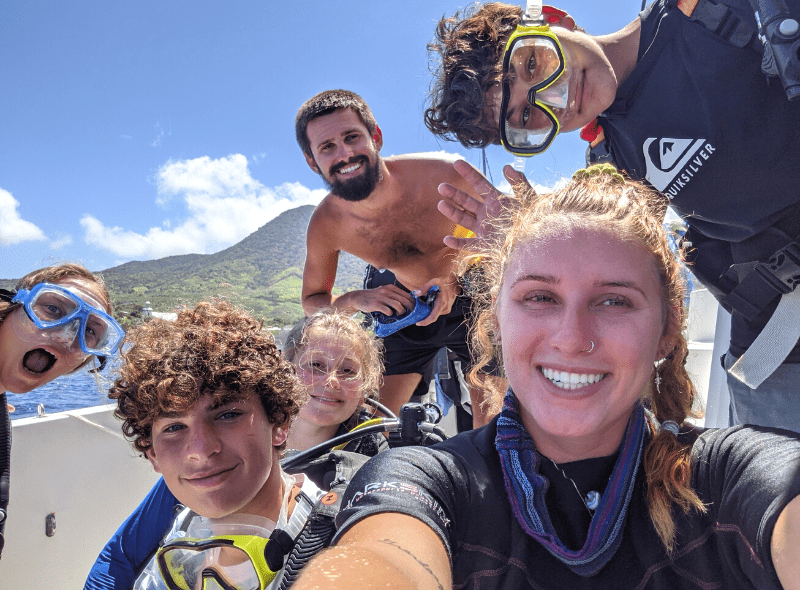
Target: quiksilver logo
671, 163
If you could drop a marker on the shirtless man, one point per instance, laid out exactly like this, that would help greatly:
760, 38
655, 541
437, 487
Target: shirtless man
384, 212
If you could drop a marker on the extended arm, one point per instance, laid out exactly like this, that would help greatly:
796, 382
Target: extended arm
785, 546
388, 550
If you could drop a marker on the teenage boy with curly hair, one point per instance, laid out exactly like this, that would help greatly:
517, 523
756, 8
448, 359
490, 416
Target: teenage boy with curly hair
208, 399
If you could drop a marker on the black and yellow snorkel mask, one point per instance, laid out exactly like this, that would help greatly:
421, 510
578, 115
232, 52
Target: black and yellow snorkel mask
223, 562
535, 83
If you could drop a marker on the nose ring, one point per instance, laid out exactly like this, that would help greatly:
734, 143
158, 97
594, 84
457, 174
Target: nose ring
591, 349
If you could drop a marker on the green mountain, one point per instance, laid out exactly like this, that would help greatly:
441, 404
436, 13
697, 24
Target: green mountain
262, 273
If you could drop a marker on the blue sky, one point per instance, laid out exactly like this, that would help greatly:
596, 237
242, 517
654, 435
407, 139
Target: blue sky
138, 130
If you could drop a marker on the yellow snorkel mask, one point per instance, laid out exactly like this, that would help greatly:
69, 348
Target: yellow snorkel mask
535, 83
222, 562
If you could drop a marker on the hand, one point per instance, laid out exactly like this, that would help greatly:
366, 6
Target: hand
387, 299
448, 291
470, 212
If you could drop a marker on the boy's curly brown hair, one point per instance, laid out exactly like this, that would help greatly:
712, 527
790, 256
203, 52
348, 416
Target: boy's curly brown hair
216, 349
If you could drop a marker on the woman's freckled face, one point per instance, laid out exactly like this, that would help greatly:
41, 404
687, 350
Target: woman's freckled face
331, 372
558, 296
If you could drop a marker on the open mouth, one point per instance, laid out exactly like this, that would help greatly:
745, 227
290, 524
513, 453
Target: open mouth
38, 361
566, 380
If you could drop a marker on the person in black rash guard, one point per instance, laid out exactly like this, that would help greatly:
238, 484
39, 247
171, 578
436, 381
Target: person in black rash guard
591, 476
680, 99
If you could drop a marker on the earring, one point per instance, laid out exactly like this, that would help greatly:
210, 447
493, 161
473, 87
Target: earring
658, 379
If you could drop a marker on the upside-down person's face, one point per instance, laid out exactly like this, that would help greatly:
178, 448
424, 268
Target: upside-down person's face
592, 84
31, 357
345, 154
221, 459
558, 296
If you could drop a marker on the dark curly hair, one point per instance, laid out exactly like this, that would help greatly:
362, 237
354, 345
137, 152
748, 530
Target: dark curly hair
215, 348
325, 103
465, 55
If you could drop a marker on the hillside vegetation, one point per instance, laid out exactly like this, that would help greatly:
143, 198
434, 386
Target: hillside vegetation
262, 273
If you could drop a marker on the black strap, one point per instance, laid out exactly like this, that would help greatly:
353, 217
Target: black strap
766, 282
321, 526
723, 22
600, 153
5, 466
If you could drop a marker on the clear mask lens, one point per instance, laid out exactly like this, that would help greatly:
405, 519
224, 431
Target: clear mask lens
535, 61
556, 95
218, 567
536, 81
65, 334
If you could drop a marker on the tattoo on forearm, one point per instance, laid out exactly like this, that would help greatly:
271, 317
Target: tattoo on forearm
414, 557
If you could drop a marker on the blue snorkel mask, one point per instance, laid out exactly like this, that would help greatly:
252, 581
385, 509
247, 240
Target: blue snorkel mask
64, 316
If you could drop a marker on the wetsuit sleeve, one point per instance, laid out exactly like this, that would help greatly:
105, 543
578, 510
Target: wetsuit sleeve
134, 542
419, 482
747, 475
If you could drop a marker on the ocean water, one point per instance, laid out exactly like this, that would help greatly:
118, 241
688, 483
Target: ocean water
79, 390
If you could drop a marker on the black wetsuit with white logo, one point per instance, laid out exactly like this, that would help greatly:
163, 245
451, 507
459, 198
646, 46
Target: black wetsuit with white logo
697, 119
745, 476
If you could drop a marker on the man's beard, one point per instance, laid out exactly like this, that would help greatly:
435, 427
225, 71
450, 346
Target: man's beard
360, 187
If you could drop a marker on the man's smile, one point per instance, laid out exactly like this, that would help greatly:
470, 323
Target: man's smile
349, 169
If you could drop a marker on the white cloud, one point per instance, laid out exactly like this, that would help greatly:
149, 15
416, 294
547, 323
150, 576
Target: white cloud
61, 242
159, 135
224, 204
14, 229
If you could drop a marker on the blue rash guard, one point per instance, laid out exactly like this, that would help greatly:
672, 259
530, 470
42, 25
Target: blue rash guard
134, 542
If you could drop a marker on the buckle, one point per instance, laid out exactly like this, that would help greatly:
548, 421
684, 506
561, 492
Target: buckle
599, 154
782, 271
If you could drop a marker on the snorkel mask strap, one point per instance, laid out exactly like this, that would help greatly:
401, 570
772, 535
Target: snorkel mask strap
8, 296
102, 360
